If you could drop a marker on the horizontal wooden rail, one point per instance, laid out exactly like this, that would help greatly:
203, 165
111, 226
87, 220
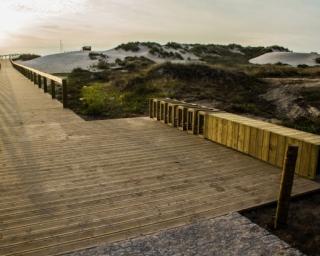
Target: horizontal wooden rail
259, 139
41, 78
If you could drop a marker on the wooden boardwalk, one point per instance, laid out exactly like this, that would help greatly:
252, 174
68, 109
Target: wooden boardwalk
67, 184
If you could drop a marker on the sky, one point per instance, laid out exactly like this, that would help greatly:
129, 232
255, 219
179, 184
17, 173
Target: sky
37, 26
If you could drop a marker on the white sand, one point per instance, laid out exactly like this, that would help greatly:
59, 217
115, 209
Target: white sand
291, 58
66, 62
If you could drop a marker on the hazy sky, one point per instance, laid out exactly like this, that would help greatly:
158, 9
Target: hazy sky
38, 25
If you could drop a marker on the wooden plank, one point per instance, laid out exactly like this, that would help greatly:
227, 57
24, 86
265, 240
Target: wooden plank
273, 148
220, 130
229, 133
305, 159
224, 132
259, 143
210, 127
235, 135
206, 126
253, 142
281, 150
241, 138
265, 146
314, 161
247, 139
215, 128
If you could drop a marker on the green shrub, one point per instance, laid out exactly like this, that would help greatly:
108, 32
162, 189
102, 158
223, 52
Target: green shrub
95, 99
96, 55
302, 66
26, 57
307, 124
317, 60
164, 54
101, 99
131, 46
151, 44
119, 62
174, 45
103, 64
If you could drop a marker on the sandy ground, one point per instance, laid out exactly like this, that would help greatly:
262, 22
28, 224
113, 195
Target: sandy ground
291, 58
303, 229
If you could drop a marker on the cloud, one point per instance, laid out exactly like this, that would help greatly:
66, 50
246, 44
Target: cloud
105, 23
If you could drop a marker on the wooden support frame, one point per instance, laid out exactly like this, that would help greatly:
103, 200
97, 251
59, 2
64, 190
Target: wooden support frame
181, 115
259, 139
202, 119
163, 111
192, 120
172, 113
156, 109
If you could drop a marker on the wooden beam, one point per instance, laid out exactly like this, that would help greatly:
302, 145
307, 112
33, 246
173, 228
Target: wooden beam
53, 89
64, 93
286, 187
45, 84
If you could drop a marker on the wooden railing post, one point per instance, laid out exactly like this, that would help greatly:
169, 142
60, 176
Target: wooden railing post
34, 78
39, 81
45, 84
286, 187
43, 79
53, 89
64, 93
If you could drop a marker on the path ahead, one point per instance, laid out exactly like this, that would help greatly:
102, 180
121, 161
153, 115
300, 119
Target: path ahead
67, 184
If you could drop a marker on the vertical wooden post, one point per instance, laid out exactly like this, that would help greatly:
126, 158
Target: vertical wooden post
45, 84
53, 89
150, 108
34, 78
31, 76
39, 81
286, 187
64, 93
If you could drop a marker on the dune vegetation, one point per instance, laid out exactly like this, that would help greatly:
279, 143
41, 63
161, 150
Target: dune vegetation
230, 83
27, 56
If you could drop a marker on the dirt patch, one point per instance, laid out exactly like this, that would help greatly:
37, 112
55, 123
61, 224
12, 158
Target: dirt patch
289, 95
303, 230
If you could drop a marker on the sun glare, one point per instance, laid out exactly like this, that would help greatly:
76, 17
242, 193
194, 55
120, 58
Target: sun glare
18, 14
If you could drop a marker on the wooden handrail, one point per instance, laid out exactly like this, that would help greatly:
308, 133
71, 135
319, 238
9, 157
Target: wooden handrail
37, 76
56, 79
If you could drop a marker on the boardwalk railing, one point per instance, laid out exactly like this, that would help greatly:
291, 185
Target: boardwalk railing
265, 141
43, 80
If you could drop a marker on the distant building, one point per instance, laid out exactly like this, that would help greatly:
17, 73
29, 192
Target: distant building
86, 48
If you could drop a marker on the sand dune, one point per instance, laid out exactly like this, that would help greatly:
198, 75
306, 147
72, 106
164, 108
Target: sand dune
291, 58
66, 62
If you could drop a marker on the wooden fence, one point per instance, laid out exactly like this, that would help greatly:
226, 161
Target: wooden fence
262, 140
43, 80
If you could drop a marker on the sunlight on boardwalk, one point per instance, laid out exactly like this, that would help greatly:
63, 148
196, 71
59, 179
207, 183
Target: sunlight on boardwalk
67, 184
